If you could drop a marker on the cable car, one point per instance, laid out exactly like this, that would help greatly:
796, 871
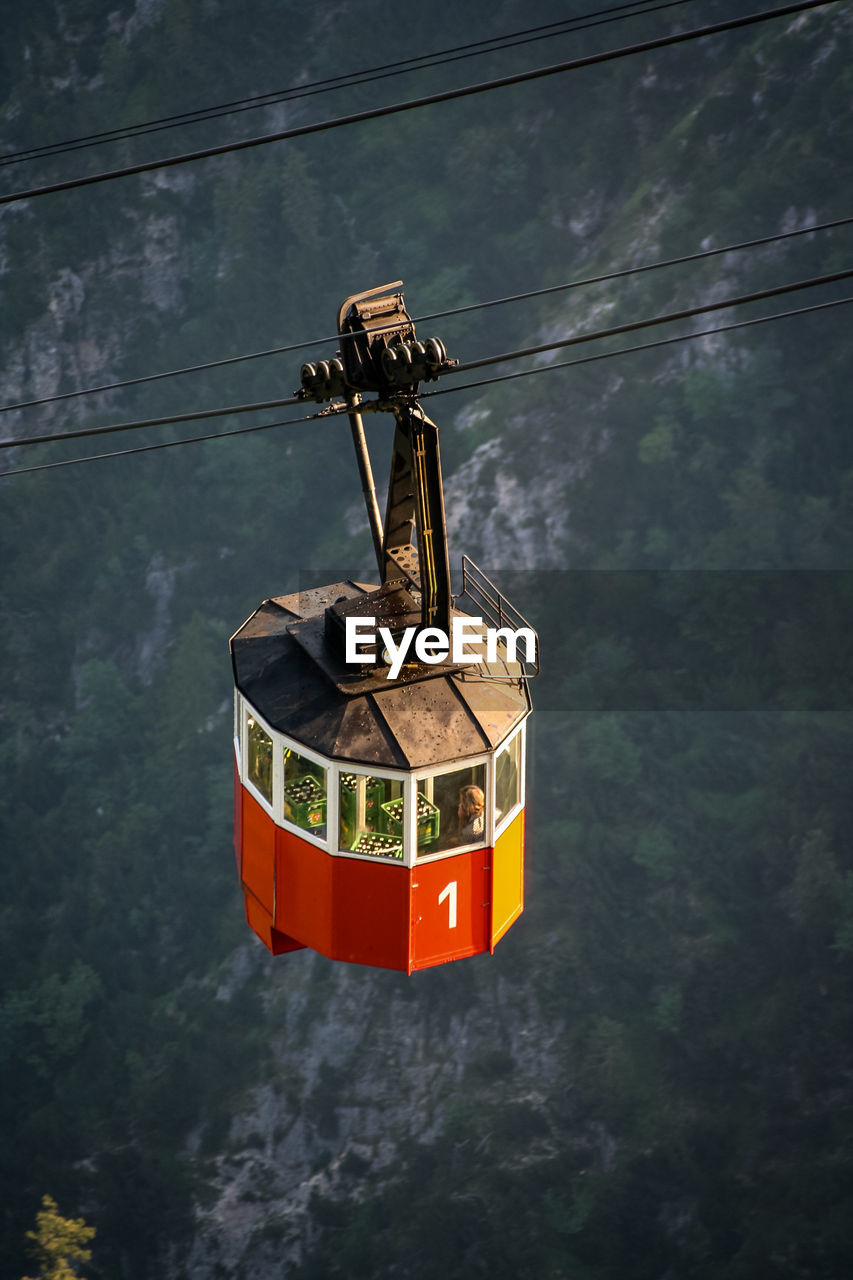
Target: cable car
380, 729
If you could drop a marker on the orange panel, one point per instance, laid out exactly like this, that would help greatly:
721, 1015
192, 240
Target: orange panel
258, 856
303, 897
451, 908
261, 922
238, 818
371, 913
374, 913
508, 878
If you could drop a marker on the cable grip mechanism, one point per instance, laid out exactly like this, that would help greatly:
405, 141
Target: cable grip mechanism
379, 351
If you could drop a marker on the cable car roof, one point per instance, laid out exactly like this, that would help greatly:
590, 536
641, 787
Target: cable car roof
428, 716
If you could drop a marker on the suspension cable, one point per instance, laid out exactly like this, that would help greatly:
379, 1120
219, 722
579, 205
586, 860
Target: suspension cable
642, 346
168, 420
632, 326
540, 349
349, 80
438, 315
341, 409
449, 95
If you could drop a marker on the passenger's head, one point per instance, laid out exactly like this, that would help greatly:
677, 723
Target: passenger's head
471, 803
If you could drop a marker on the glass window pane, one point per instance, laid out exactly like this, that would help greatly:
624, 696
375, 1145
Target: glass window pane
259, 764
507, 778
372, 815
452, 810
304, 793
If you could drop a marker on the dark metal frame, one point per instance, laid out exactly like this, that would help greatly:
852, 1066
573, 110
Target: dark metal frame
380, 353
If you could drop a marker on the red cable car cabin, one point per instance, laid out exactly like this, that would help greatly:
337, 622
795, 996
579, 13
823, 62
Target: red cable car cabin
348, 832
381, 821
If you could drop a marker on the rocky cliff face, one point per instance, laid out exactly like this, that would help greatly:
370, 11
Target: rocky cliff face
87, 332
363, 1068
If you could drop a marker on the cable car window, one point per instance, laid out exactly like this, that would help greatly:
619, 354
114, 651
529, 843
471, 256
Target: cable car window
305, 788
452, 810
259, 752
372, 815
507, 779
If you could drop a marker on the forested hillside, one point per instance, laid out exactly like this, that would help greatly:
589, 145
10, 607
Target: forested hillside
651, 1078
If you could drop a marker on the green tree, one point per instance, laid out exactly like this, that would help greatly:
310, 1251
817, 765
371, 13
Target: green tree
57, 1243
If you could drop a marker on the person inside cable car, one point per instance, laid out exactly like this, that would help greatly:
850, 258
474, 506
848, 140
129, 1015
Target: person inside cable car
471, 815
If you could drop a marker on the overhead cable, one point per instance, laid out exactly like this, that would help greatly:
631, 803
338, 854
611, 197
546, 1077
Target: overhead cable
342, 409
643, 346
632, 326
350, 80
195, 416
439, 315
170, 373
624, 272
466, 91
162, 444
540, 349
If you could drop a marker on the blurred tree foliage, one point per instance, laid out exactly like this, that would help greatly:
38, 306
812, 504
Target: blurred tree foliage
59, 1243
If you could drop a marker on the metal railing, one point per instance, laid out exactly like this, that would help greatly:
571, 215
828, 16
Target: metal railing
487, 599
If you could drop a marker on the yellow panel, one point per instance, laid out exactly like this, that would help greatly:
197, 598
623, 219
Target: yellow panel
508, 878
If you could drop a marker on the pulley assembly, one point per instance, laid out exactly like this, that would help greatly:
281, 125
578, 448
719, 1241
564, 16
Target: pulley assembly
379, 351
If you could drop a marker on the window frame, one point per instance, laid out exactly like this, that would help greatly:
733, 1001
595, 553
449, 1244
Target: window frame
411, 784
374, 771
437, 771
507, 818
290, 744
277, 765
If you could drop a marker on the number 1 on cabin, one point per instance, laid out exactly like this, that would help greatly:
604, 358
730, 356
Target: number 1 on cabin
449, 891
451, 908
